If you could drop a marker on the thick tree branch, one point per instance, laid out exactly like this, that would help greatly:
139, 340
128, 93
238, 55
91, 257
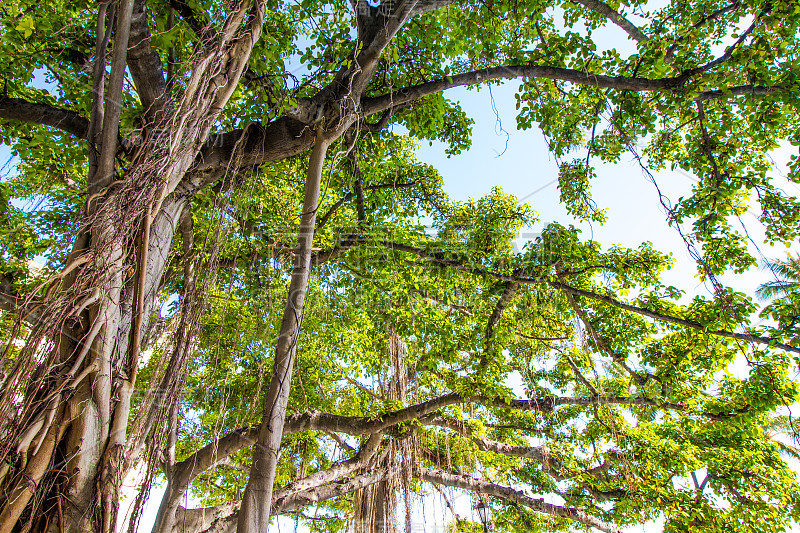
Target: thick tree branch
443, 260
747, 337
144, 64
335, 471
33, 113
255, 145
287, 500
615, 17
377, 104
215, 452
12, 302
370, 106
377, 26
256, 500
513, 496
509, 290
222, 518
741, 90
287, 136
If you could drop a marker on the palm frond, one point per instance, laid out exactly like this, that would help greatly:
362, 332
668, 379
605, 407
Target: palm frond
775, 289
779, 426
788, 270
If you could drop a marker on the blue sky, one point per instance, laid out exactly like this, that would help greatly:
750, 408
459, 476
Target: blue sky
519, 162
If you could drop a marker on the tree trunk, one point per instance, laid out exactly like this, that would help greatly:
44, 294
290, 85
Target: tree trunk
63, 464
257, 500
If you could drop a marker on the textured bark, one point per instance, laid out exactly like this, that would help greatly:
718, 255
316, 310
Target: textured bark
223, 518
145, 65
85, 440
63, 119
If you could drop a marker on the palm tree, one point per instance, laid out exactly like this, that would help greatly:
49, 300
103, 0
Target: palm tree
788, 272
782, 425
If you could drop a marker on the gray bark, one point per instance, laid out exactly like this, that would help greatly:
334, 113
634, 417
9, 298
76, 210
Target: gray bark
254, 515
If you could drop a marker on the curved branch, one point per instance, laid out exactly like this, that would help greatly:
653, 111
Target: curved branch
215, 452
222, 518
407, 95
509, 290
513, 496
747, 337
669, 55
442, 259
286, 501
615, 17
33, 113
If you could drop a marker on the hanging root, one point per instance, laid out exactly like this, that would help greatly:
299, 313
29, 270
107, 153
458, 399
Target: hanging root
85, 297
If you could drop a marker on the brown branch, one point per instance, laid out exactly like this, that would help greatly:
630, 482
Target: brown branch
407, 95
509, 290
513, 496
291, 502
222, 518
145, 65
577, 371
707, 148
615, 17
337, 251
747, 337
255, 145
375, 127
602, 344
196, 21
741, 90
442, 259
729, 50
669, 56
30, 112
410, 94
446, 500
363, 388
108, 135
548, 403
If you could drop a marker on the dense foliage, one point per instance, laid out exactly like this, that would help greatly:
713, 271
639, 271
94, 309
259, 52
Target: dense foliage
642, 402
